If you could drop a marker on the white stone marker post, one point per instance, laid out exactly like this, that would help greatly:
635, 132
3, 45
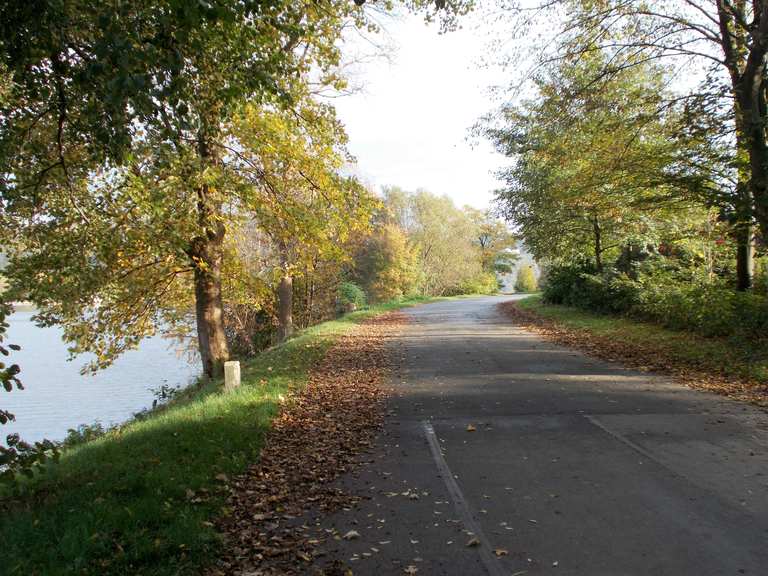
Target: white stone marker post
231, 375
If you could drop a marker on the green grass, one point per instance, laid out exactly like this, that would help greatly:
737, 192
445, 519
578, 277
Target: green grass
121, 504
717, 355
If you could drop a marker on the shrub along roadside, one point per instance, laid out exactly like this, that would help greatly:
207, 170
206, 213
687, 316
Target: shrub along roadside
714, 364
139, 499
704, 307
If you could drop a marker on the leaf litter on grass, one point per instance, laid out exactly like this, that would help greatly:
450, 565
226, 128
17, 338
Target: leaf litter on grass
646, 357
315, 439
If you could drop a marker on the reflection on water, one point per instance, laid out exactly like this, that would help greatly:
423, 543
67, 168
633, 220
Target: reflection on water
57, 397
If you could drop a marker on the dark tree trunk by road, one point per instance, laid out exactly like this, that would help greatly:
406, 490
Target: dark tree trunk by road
744, 49
598, 243
744, 257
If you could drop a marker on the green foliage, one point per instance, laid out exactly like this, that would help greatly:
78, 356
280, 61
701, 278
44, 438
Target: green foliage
386, 264
526, 280
9, 372
84, 433
761, 276
20, 460
102, 75
423, 244
351, 297
127, 145
596, 164
484, 283
708, 308
716, 355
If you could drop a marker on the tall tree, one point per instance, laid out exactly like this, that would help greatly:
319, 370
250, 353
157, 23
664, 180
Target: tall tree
593, 167
726, 39
289, 163
98, 87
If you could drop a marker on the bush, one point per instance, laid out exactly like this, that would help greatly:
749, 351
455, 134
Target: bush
708, 308
351, 297
249, 329
526, 280
563, 284
761, 276
84, 433
485, 283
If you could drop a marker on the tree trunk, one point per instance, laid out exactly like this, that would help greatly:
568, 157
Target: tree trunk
206, 252
285, 308
598, 244
744, 256
209, 308
758, 161
745, 59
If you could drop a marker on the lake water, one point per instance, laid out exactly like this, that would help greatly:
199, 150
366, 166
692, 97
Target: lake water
57, 397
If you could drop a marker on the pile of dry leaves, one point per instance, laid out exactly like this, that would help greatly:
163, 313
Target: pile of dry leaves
648, 357
272, 523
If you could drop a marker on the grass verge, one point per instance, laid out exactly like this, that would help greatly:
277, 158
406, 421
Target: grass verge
140, 499
725, 366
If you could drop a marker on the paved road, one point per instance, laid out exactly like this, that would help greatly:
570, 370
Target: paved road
575, 466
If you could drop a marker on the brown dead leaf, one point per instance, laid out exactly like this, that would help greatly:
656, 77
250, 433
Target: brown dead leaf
317, 436
647, 356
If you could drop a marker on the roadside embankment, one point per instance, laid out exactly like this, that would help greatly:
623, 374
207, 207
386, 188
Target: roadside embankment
144, 498
720, 365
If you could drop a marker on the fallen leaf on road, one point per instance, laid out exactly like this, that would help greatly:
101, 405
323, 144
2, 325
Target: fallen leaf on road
473, 542
410, 569
351, 535
501, 552
471, 428
317, 436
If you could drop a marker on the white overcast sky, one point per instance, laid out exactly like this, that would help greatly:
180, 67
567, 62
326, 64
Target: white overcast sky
409, 123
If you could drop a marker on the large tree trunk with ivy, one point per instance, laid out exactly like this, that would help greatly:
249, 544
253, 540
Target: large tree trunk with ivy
209, 309
743, 234
752, 102
598, 243
745, 59
742, 223
752, 200
207, 254
744, 257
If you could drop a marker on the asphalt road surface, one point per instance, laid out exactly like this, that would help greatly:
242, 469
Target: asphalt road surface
506, 454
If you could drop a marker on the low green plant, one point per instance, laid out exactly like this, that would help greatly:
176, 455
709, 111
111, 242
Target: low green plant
84, 433
351, 297
708, 307
761, 276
